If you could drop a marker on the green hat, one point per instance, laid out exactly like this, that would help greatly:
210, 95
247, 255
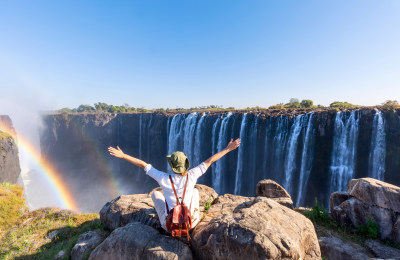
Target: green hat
178, 162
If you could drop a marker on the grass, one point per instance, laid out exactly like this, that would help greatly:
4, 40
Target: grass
41, 233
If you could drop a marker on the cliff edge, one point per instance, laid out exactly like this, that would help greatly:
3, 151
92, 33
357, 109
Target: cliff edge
9, 160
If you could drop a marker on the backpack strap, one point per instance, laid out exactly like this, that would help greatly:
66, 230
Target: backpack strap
176, 195
184, 189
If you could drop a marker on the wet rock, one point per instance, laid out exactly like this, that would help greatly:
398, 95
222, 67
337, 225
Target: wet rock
86, 242
127, 209
271, 189
239, 227
138, 241
337, 249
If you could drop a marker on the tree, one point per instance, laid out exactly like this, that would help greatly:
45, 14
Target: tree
293, 103
338, 104
390, 104
306, 103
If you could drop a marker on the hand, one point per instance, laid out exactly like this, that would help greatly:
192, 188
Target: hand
233, 144
117, 153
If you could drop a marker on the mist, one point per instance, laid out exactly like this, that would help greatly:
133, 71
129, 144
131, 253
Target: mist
24, 106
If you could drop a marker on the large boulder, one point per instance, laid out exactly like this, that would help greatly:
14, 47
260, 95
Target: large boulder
138, 241
239, 227
271, 189
362, 204
375, 193
335, 248
86, 242
127, 209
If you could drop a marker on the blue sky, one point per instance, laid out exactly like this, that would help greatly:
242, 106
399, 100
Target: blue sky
191, 53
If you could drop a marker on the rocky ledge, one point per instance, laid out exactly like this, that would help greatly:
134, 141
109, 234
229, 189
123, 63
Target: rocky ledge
233, 227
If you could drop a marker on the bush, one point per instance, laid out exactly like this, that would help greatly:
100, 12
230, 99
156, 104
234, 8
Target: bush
307, 103
390, 104
338, 104
369, 230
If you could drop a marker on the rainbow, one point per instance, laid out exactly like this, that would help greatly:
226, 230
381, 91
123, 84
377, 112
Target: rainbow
51, 175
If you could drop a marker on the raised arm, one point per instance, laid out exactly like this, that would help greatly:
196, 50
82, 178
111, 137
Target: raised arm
120, 154
231, 146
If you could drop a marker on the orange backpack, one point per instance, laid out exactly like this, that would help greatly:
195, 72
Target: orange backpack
179, 219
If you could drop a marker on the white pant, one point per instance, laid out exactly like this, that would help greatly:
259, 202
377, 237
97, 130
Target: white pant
159, 204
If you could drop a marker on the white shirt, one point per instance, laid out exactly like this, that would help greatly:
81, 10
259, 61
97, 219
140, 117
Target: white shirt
179, 183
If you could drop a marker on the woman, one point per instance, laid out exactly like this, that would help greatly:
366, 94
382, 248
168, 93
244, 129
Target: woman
180, 166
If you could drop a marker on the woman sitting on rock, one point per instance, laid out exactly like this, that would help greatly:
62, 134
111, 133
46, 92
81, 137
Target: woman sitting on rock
180, 166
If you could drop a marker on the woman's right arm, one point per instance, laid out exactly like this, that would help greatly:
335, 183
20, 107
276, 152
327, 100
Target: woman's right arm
120, 154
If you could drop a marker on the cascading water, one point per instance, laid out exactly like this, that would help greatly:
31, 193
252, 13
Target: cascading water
220, 164
377, 153
214, 141
189, 131
344, 149
198, 144
239, 168
306, 159
290, 162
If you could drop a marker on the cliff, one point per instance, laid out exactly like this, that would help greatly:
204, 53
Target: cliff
9, 160
311, 153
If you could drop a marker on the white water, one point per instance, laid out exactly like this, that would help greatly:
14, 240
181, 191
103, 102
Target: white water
377, 154
214, 143
290, 162
198, 142
307, 158
220, 164
239, 168
344, 150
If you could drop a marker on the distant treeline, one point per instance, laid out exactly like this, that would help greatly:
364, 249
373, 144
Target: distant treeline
292, 104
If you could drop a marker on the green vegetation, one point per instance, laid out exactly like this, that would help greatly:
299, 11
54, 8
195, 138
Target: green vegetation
41, 233
390, 104
369, 230
293, 103
338, 104
208, 204
4, 135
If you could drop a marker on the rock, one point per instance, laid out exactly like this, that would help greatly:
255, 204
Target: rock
239, 227
60, 255
129, 208
382, 251
9, 160
335, 248
337, 198
271, 189
362, 205
376, 193
86, 242
353, 212
139, 241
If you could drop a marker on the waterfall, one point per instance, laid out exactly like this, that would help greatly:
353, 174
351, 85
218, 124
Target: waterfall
253, 154
189, 131
290, 162
198, 144
279, 147
344, 150
140, 136
306, 159
215, 130
222, 142
175, 138
377, 154
239, 169
268, 127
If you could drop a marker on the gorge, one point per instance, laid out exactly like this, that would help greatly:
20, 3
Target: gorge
312, 153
